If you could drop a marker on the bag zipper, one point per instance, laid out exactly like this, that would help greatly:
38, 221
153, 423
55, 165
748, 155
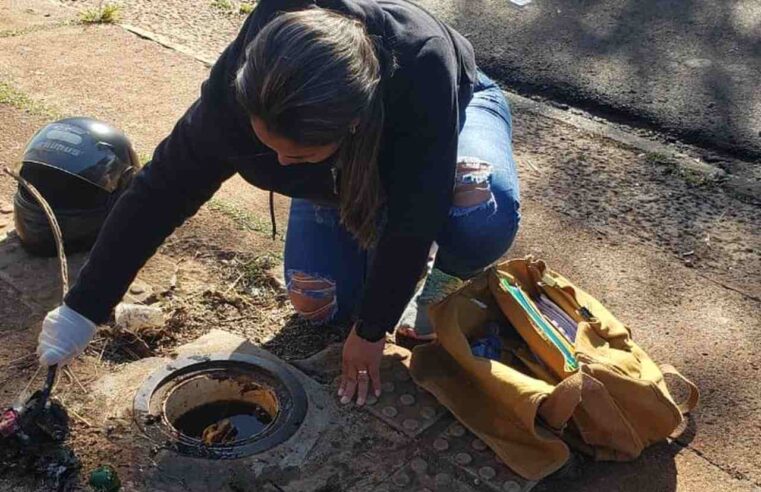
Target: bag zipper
541, 323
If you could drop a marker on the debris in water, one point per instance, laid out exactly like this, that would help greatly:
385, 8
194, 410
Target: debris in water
230, 421
105, 479
220, 433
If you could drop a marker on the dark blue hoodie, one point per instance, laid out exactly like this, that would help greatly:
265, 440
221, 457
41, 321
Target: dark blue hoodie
214, 140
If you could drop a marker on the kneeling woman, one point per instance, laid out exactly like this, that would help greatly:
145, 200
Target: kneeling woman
395, 149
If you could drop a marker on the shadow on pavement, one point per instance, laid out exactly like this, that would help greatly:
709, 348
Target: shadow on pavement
655, 470
686, 67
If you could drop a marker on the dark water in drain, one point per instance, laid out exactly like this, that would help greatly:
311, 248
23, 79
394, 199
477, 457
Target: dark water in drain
246, 418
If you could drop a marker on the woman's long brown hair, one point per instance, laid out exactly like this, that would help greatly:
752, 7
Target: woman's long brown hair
316, 78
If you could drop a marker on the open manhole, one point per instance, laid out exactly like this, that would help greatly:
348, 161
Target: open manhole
221, 407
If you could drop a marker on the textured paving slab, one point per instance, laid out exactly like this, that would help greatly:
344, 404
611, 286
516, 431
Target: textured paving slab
426, 474
403, 405
464, 450
413, 411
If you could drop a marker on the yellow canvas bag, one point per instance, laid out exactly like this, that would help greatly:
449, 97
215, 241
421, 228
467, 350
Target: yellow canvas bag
601, 393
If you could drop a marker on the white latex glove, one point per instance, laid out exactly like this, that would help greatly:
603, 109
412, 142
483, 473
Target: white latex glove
65, 334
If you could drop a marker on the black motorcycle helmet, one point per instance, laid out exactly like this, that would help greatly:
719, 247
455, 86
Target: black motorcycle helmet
80, 166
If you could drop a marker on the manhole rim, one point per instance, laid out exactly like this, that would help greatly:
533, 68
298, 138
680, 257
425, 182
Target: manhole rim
183, 366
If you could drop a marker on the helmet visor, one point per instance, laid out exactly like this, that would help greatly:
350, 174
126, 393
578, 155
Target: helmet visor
76, 151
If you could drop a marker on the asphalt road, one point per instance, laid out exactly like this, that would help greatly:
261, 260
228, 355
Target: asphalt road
688, 68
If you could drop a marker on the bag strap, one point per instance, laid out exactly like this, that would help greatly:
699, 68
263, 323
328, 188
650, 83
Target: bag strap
692, 401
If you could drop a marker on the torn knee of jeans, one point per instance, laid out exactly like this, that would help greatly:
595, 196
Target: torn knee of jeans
313, 297
472, 186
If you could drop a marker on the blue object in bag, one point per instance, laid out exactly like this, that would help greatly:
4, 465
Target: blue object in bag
490, 346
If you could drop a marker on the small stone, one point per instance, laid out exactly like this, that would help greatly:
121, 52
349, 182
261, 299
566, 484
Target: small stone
463, 459
411, 424
418, 465
371, 400
428, 413
407, 400
136, 317
442, 479
440, 445
390, 412
387, 387
478, 445
487, 472
136, 289
401, 479
511, 486
456, 430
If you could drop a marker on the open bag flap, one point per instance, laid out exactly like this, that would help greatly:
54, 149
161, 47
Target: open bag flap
528, 450
496, 402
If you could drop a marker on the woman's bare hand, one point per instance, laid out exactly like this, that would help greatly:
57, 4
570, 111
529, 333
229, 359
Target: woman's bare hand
361, 368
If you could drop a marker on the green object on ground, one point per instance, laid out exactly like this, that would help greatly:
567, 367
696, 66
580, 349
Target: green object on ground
105, 479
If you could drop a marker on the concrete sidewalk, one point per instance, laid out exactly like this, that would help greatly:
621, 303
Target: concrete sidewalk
677, 261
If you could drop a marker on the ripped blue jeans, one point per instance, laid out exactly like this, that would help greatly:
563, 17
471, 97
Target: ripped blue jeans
324, 266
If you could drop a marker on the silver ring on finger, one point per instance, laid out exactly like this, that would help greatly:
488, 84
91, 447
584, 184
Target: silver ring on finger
362, 374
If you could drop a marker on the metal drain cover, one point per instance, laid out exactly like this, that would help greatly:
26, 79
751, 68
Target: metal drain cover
179, 396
